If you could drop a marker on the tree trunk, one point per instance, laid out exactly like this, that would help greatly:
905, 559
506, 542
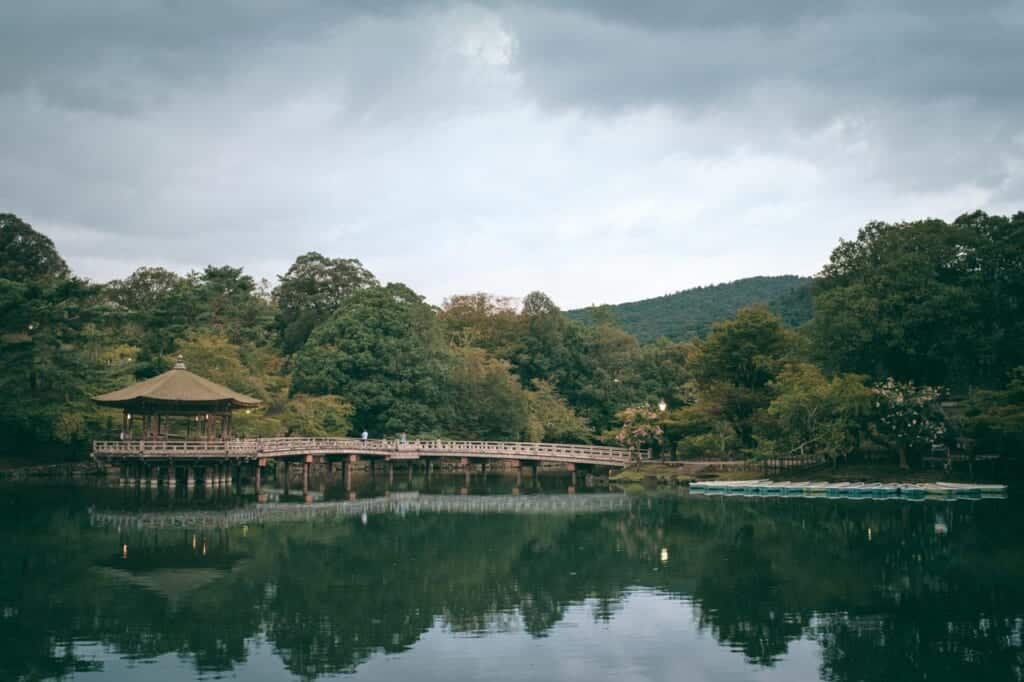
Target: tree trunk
903, 458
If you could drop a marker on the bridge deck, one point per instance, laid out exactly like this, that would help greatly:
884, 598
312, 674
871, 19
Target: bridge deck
248, 449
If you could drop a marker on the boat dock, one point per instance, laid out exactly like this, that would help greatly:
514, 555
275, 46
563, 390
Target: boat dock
874, 491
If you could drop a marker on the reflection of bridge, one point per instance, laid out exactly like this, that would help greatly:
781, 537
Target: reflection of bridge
219, 460
402, 503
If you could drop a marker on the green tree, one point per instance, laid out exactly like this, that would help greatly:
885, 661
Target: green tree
640, 430
312, 290
543, 353
552, 419
317, 416
995, 417
232, 304
483, 321
734, 367
927, 301
384, 353
814, 416
909, 416
155, 307
27, 255
486, 400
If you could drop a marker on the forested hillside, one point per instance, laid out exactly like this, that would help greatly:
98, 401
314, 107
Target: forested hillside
906, 315
690, 313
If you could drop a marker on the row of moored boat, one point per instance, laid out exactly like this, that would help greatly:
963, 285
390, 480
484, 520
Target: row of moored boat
907, 491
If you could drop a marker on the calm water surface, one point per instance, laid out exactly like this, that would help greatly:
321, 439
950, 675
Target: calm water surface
113, 584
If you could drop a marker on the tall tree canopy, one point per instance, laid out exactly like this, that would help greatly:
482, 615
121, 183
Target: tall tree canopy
27, 255
383, 352
926, 301
314, 288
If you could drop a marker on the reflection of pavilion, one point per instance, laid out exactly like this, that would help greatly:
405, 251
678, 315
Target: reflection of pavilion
170, 573
402, 504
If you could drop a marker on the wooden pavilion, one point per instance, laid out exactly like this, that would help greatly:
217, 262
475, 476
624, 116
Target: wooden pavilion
176, 397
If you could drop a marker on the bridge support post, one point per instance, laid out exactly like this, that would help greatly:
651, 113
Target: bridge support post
172, 476
287, 466
428, 464
572, 468
346, 470
305, 474
154, 475
391, 472
519, 472
483, 469
465, 469
190, 477
228, 471
411, 464
256, 474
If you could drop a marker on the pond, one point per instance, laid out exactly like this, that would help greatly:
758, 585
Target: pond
102, 583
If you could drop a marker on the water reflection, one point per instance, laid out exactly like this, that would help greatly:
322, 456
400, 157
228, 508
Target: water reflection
873, 590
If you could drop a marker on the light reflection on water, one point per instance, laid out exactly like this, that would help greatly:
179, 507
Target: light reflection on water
114, 583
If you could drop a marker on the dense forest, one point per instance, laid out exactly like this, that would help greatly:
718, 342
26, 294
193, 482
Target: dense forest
691, 313
906, 317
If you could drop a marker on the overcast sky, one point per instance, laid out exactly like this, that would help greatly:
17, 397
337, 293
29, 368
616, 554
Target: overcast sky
598, 150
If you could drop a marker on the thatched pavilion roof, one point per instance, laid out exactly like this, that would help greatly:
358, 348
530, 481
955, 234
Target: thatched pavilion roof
176, 388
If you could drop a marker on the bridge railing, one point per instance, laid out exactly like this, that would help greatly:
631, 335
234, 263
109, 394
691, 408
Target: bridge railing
170, 447
255, 447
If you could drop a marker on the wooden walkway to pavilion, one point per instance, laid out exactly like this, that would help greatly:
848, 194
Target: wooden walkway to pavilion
217, 462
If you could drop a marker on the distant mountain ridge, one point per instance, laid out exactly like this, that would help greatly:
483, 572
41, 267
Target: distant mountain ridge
690, 313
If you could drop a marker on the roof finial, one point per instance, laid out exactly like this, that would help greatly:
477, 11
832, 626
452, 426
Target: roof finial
180, 363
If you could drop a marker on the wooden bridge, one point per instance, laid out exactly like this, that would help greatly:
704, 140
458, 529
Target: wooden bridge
162, 460
249, 449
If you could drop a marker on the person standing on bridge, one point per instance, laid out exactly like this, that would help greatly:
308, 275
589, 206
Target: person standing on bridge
365, 436
404, 441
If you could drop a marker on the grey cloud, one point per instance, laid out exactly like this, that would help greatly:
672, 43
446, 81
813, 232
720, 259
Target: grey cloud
659, 144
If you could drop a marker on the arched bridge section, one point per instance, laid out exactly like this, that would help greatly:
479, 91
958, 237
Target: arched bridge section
251, 449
